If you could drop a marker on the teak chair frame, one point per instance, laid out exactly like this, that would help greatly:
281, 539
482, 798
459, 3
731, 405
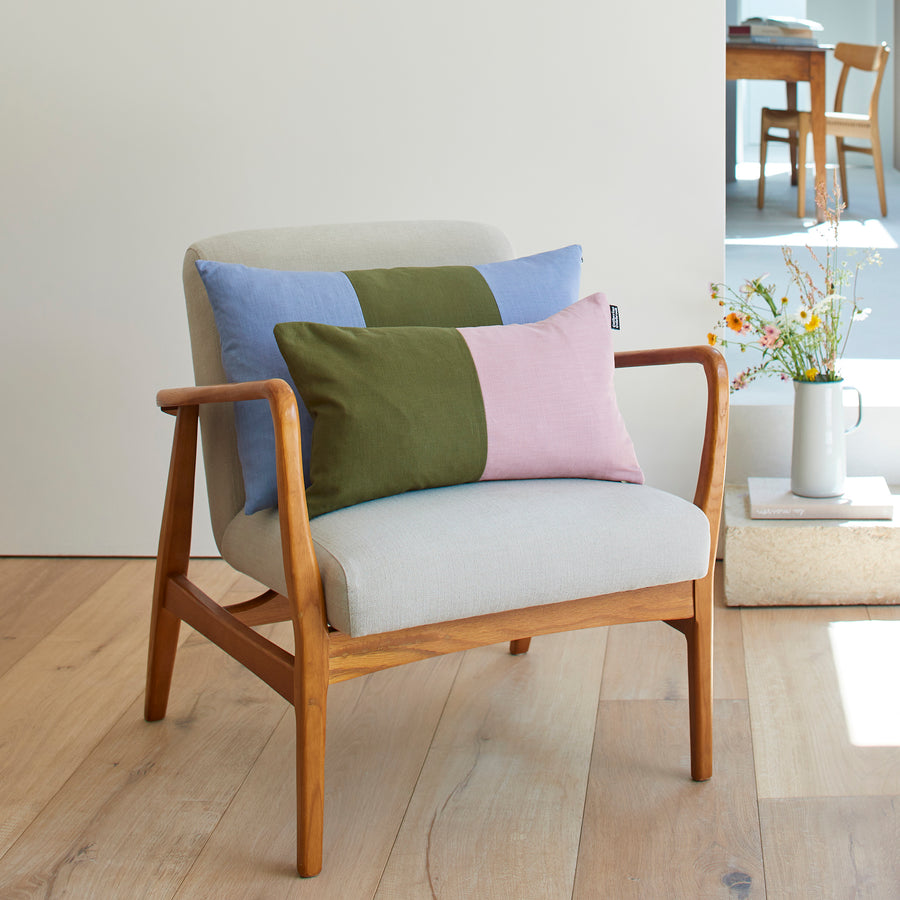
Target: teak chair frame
838, 124
323, 656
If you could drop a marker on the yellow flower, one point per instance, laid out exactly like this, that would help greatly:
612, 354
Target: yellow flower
712, 339
784, 301
811, 374
813, 323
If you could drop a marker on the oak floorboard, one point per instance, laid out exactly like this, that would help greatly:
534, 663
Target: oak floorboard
649, 831
131, 819
380, 727
60, 699
497, 810
801, 740
462, 768
822, 848
36, 594
648, 660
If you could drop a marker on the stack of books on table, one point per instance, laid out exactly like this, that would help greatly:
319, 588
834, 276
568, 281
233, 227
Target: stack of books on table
775, 30
863, 498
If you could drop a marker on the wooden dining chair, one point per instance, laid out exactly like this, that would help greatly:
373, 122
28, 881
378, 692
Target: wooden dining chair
410, 575
842, 125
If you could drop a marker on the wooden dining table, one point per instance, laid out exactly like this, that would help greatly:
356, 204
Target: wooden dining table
789, 63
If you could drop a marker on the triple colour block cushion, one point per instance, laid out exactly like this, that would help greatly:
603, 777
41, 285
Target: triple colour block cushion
248, 302
407, 408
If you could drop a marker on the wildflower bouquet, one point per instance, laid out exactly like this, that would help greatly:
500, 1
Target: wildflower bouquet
804, 341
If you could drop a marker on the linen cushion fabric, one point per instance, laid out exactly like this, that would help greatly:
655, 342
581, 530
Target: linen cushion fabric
409, 408
248, 302
472, 549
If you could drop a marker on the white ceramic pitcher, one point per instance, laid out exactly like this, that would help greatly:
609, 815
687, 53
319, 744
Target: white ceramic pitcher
819, 456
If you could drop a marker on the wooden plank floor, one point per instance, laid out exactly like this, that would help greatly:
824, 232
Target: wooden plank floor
559, 774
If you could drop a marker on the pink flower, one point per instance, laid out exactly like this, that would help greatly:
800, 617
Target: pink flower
770, 337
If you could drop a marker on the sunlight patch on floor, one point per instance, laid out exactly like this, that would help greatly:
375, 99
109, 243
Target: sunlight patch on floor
867, 234
867, 659
854, 233
749, 171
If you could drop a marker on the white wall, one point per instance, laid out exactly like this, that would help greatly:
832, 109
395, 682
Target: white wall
131, 130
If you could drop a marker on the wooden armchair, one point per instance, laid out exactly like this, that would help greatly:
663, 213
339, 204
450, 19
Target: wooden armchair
842, 125
611, 538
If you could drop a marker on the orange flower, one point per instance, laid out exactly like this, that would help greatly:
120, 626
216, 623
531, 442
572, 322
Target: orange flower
735, 322
712, 339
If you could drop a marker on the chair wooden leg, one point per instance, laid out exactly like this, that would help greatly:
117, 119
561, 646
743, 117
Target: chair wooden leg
842, 167
879, 172
700, 687
310, 697
172, 559
164, 629
792, 146
763, 149
791, 87
519, 646
801, 174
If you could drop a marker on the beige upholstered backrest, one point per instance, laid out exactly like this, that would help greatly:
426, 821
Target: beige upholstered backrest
307, 248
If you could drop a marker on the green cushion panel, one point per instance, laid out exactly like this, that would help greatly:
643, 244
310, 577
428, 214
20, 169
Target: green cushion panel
434, 434
441, 295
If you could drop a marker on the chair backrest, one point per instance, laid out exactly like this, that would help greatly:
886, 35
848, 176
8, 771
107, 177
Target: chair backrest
868, 58
306, 248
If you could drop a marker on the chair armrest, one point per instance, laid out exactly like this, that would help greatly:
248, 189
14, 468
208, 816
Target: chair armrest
300, 566
274, 389
711, 478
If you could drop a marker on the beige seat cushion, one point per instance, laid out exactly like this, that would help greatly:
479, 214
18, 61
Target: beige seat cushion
467, 550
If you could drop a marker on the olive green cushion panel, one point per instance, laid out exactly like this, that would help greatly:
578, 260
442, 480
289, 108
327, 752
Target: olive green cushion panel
441, 295
436, 433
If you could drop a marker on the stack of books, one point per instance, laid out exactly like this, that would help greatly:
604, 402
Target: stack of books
863, 498
775, 30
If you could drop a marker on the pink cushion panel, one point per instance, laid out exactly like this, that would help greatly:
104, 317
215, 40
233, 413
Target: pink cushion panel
549, 398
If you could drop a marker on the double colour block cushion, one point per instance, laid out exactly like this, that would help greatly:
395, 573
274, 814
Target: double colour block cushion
248, 302
406, 408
